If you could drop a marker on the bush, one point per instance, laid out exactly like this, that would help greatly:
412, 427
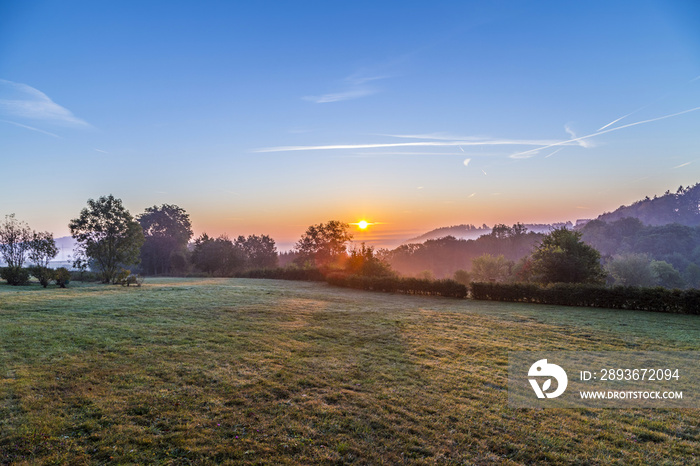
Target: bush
133, 280
82, 276
43, 274
285, 273
120, 277
62, 277
416, 286
567, 294
15, 276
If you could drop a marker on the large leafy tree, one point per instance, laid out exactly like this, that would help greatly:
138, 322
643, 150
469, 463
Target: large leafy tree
42, 251
631, 270
217, 256
260, 251
323, 244
15, 241
563, 257
108, 235
487, 268
15, 244
167, 230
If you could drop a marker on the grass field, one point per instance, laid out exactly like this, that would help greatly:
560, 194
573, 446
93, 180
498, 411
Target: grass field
208, 371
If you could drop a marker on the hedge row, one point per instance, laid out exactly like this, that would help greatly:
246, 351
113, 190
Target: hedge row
413, 286
284, 273
619, 297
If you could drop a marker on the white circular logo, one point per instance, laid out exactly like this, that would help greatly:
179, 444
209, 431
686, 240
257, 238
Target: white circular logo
543, 369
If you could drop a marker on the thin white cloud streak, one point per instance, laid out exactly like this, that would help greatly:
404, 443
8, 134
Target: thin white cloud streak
598, 133
485, 142
357, 88
682, 165
391, 153
28, 102
614, 121
558, 150
340, 96
30, 128
438, 136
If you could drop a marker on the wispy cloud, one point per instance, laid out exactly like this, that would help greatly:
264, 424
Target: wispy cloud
581, 142
31, 128
598, 133
472, 142
22, 101
340, 96
682, 165
354, 86
558, 150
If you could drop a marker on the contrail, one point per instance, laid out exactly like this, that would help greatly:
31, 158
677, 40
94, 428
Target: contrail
598, 133
31, 128
561, 148
615, 121
484, 142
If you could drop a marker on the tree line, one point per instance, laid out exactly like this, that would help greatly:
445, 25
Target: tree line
116, 246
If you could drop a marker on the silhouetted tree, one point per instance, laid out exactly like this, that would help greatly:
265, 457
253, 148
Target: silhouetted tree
167, 230
666, 275
217, 256
363, 262
108, 236
323, 244
42, 251
15, 241
260, 251
487, 268
563, 257
631, 270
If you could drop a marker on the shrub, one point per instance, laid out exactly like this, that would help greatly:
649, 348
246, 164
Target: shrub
62, 277
43, 274
568, 294
416, 286
15, 275
133, 280
83, 276
285, 273
120, 277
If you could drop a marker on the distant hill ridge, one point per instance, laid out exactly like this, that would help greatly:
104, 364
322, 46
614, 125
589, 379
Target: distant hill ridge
468, 231
681, 207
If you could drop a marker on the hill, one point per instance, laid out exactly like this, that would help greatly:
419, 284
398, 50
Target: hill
472, 232
682, 207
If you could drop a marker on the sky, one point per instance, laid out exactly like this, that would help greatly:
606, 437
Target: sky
266, 117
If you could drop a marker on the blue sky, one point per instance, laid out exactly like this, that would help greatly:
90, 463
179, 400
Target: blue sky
266, 117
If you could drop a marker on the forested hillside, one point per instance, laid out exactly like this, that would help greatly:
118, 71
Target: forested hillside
442, 257
682, 207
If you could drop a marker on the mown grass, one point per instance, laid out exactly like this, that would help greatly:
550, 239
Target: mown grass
240, 371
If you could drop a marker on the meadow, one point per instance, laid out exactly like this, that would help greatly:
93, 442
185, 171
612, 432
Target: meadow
244, 371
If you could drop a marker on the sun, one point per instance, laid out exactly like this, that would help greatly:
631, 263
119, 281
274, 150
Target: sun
362, 224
